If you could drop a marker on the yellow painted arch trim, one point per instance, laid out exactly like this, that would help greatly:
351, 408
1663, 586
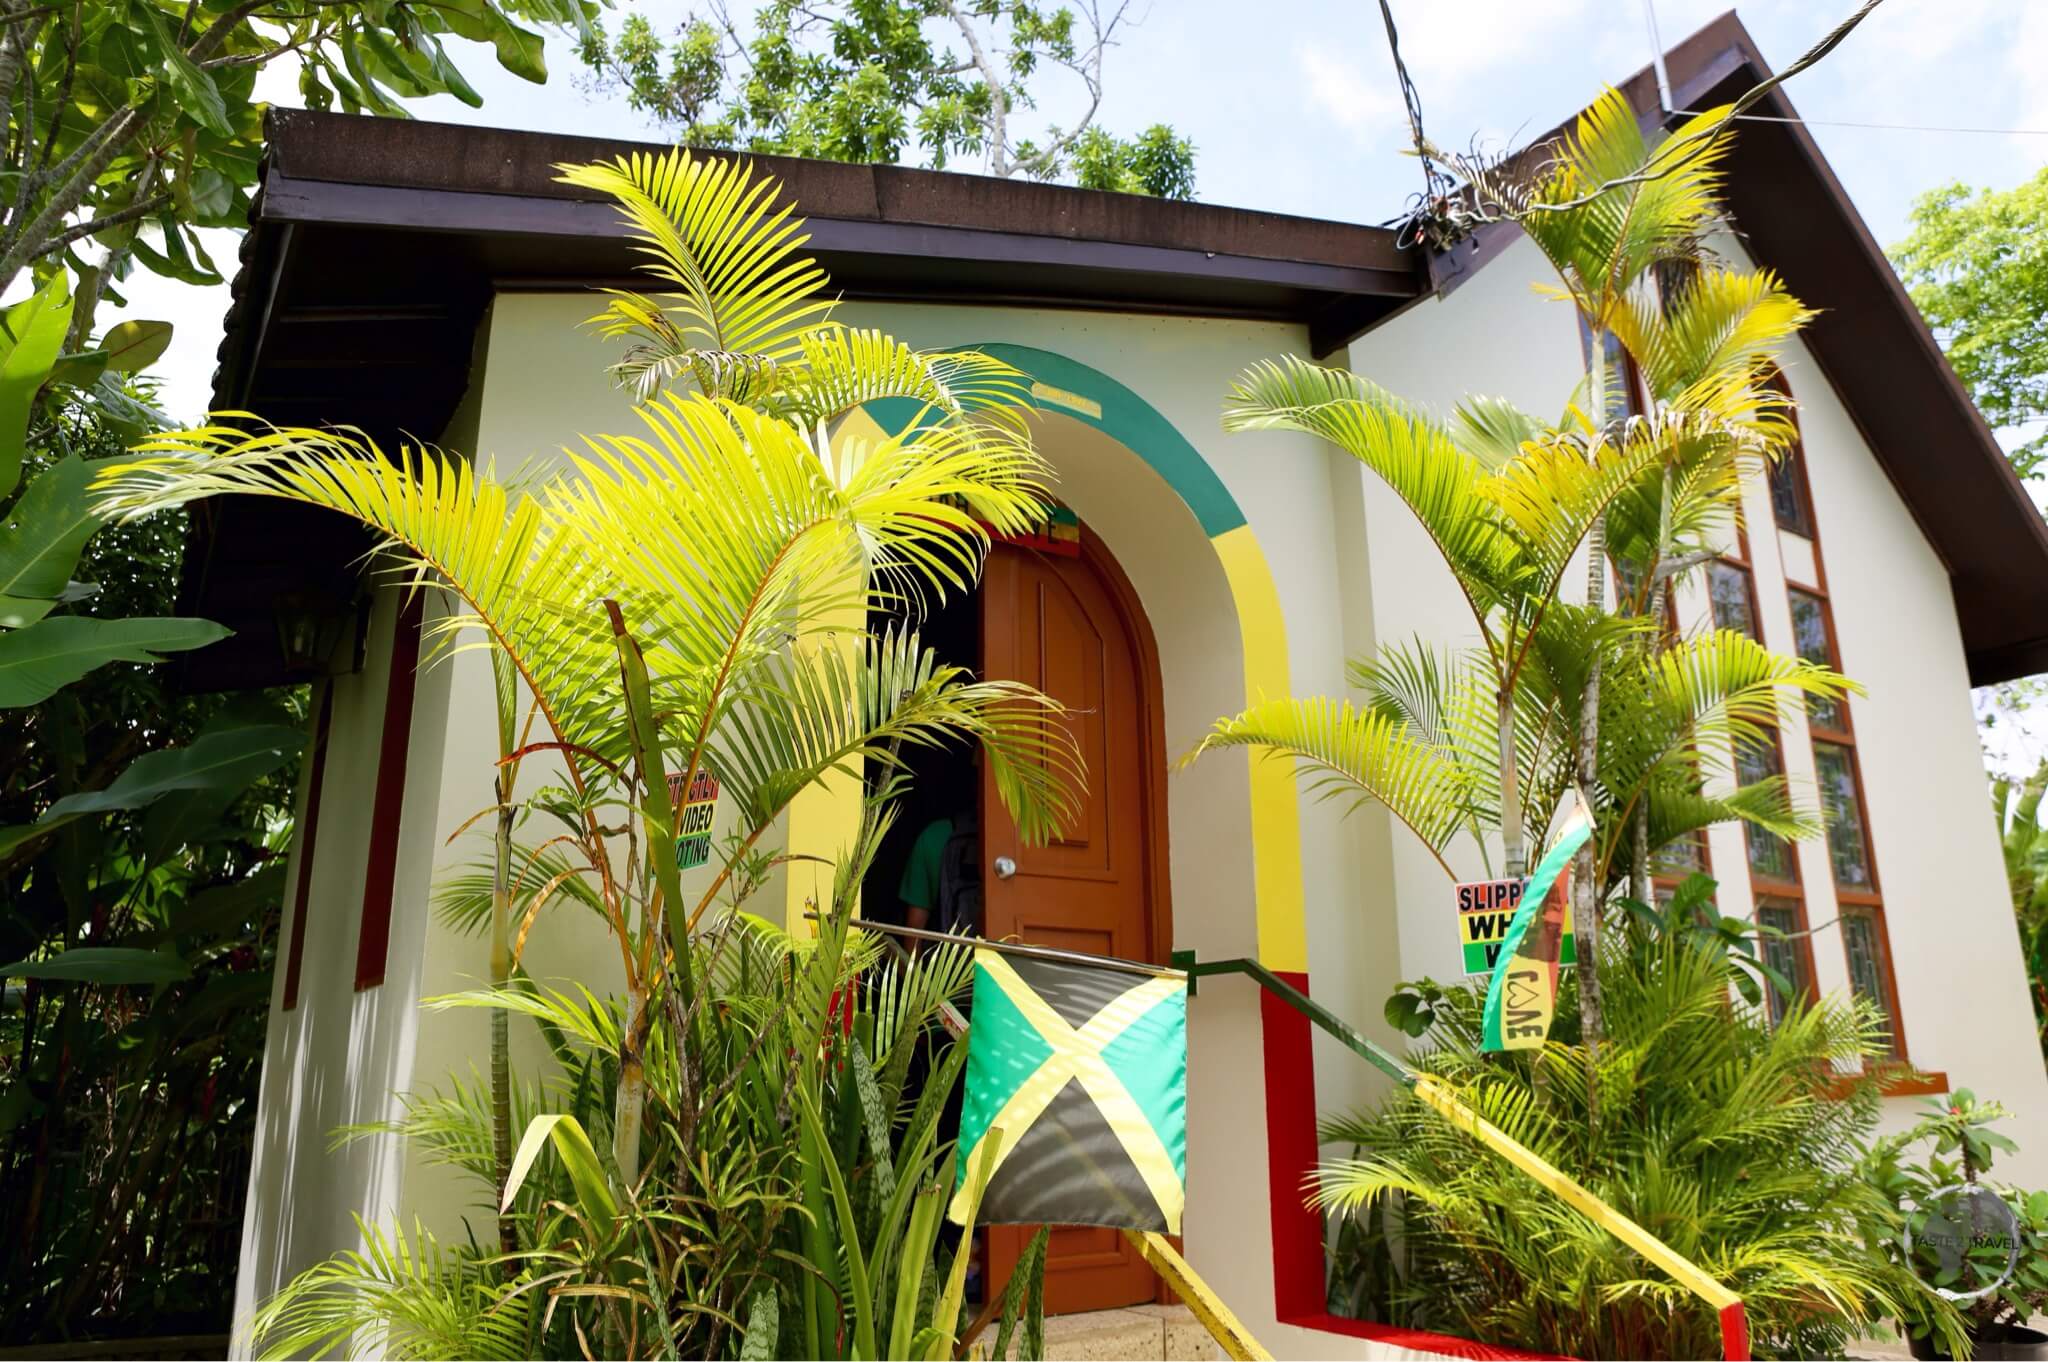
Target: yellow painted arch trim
1088, 395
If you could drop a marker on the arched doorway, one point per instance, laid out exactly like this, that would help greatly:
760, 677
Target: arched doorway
1070, 625
1257, 654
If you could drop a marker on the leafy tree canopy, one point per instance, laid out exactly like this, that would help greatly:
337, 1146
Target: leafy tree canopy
871, 80
1977, 264
131, 122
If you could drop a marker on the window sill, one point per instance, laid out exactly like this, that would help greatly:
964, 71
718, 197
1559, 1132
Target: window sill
1893, 1081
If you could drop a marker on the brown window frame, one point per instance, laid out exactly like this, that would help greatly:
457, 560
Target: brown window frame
1800, 938
1866, 900
1794, 459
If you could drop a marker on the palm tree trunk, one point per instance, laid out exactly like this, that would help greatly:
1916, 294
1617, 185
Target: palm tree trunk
501, 1041
1514, 851
632, 1099
1639, 887
1585, 865
505, 688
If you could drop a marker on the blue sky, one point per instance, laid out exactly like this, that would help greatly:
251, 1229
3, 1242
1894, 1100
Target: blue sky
1293, 108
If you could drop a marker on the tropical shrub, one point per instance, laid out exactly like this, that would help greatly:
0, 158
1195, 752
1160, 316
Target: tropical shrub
141, 836
1559, 695
2017, 807
733, 1163
1725, 1136
2004, 1271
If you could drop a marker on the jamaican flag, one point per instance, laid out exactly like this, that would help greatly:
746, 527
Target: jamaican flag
1082, 1070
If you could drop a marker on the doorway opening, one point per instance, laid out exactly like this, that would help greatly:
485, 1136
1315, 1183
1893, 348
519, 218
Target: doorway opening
1060, 616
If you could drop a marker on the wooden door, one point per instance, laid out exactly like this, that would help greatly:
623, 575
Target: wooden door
1069, 626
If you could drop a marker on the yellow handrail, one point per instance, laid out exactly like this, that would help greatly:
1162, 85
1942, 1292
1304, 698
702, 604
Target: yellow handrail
1441, 1099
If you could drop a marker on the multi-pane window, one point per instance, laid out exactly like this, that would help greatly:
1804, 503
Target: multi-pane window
1812, 640
1788, 494
1869, 972
1851, 862
1786, 951
1842, 802
1770, 856
1728, 587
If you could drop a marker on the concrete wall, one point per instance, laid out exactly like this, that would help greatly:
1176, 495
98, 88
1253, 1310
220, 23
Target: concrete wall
1352, 572
1961, 981
543, 384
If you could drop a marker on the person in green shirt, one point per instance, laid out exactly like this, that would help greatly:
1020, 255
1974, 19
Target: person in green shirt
941, 888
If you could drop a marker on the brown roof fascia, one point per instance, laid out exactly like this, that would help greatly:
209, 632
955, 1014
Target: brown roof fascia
335, 168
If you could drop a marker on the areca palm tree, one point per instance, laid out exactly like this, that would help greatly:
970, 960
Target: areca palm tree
1456, 743
662, 601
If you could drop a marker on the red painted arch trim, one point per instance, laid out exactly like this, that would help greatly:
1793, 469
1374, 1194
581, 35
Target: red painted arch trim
1291, 1153
373, 944
309, 829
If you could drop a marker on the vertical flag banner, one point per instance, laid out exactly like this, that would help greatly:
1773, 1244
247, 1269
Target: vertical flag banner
700, 802
1521, 1001
1486, 909
1081, 1073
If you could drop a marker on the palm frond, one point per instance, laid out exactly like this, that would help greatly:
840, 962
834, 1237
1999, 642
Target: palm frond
398, 1296
713, 228
1359, 756
1609, 205
834, 710
1711, 341
840, 368
1414, 455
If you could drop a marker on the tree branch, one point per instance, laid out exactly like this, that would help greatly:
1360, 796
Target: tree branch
221, 29
101, 224
63, 95
999, 98
75, 174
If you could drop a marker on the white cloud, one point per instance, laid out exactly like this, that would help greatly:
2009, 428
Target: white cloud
1365, 103
1446, 44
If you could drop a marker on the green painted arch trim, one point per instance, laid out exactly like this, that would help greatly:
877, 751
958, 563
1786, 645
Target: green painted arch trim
1074, 389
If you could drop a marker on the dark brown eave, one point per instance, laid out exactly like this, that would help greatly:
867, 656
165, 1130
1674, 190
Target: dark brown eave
1871, 344
405, 225
375, 245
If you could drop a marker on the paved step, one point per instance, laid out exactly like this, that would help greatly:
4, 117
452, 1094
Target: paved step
1162, 1333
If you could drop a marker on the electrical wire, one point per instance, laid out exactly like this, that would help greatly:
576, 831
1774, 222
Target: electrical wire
1881, 127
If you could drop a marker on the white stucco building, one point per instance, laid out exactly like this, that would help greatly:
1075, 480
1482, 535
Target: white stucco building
429, 279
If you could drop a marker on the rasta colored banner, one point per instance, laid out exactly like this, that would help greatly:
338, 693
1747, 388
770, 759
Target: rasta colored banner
693, 835
1081, 1072
1486, 909
1522, 999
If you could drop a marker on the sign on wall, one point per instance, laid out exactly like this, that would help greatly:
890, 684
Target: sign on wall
693, 839
1485, 908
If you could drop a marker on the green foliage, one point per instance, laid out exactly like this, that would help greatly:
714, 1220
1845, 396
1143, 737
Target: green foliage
39, 661
140, 880
1703, 1123
868, 80
1977, 264
138, 122
29, 341
1558, 694
2009, 1279
1155, 162
2017, 807
744, 1116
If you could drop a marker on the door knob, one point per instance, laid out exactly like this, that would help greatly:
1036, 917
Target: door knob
1005, 867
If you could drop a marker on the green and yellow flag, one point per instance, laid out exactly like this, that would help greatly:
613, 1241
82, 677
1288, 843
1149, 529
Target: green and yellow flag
1521, 998
1081, 1072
